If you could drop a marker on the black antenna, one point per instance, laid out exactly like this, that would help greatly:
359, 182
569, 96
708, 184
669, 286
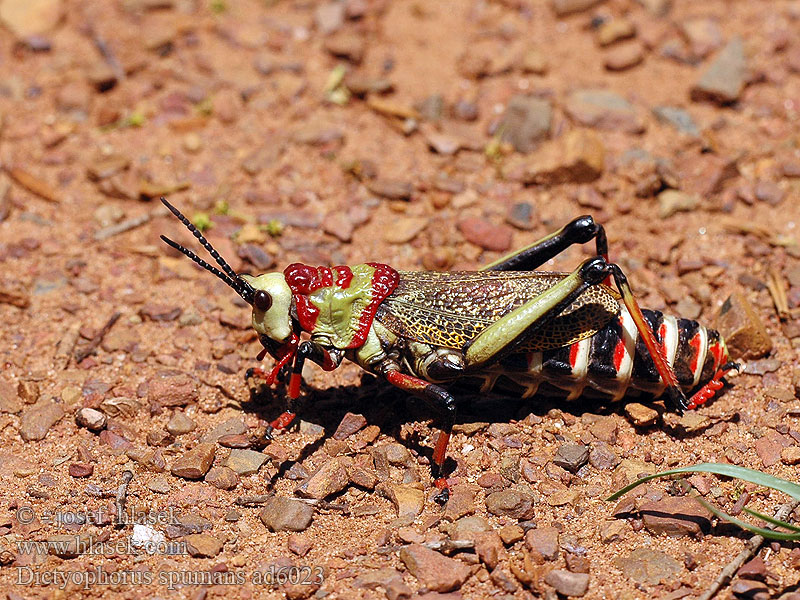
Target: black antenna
244, 289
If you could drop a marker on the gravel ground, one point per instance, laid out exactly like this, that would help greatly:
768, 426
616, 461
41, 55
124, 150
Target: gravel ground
427, 136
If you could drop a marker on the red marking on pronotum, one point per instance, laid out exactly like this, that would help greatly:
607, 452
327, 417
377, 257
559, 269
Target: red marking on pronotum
343, 276
384, 280
304, 280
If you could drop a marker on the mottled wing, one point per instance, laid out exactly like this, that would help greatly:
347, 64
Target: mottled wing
450, 309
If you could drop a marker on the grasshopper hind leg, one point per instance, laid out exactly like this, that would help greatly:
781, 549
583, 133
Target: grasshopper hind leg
578, 231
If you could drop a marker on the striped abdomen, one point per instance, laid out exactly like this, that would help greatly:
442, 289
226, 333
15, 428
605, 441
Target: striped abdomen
615, 360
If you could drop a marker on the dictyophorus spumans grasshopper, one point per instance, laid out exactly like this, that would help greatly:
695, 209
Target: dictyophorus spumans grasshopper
548, 332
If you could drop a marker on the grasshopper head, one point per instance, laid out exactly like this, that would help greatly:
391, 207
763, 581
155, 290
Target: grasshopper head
268, 294
272, 303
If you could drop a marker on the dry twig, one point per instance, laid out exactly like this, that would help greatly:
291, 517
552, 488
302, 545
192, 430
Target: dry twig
128, 224
82, 353
753, 544
122, 498
33, 184
777, 289
445, 546
65, 346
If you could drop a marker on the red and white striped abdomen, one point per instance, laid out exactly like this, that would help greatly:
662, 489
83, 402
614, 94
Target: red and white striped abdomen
615, 360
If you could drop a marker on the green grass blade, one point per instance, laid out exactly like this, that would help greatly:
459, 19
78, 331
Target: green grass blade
772, 520
757, 477
769, 534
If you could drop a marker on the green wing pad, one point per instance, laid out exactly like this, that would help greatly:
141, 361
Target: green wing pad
450, 309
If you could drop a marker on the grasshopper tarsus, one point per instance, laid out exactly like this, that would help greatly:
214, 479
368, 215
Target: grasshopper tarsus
442, 497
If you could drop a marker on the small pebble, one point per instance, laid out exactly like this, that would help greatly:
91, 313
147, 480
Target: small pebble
245, 462
81, 470
222, 478
180, 424
91, 419
517, 503
623, 57
568, 583
286, 514
433, 570
486, 235
195, 463
641, 415
203, 545
649, 566
37, 420
543, 542
724, 80
350, 424
571, 456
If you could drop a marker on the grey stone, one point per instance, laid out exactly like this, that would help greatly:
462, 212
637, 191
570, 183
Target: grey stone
526, 122
571, 456
568, 583
648, 566
724, 79
286, 514
603, 109
245, 462
677, 118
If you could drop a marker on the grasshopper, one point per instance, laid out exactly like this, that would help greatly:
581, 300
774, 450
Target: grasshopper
549, 332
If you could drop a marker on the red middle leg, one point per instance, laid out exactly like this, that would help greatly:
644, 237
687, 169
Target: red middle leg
446, 405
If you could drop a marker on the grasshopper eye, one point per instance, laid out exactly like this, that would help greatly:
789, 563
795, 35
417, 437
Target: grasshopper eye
262, 300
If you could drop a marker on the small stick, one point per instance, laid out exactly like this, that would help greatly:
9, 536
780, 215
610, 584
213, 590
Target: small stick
262, 499
252, 500
777, 289
82, 353
324, 504
33, 184
122, 498
127, 225
442, 546
66, 345
107, 54
99, 42
753, 544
